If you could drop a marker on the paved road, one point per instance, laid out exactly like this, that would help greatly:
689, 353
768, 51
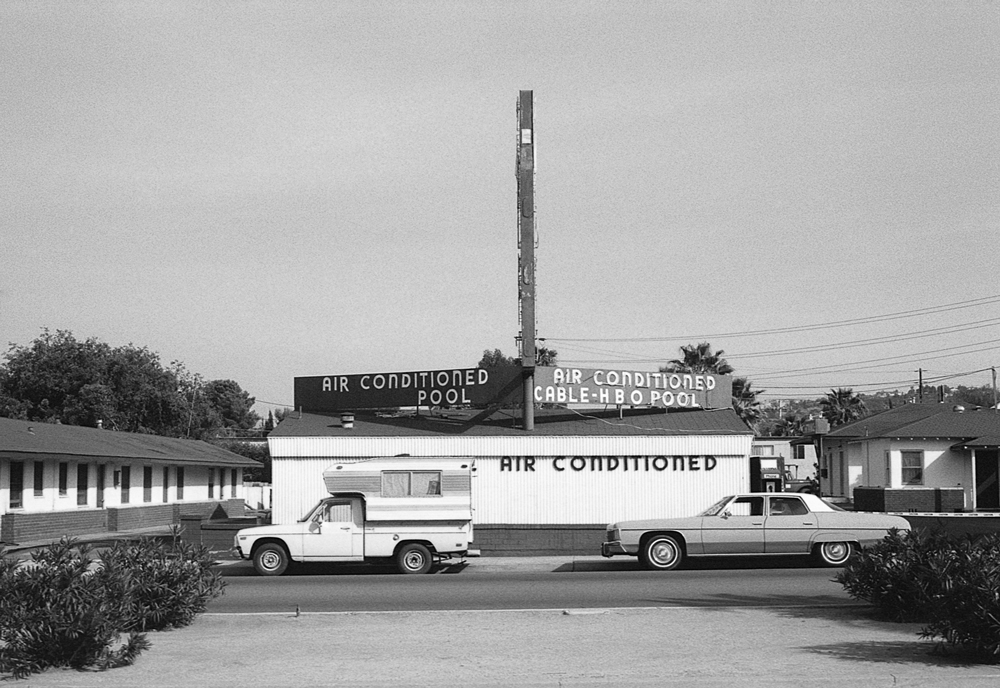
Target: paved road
331, 589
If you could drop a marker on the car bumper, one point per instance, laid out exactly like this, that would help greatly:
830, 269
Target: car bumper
610, 549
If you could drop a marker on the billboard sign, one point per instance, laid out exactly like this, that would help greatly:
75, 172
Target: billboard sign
606, 387
457, 387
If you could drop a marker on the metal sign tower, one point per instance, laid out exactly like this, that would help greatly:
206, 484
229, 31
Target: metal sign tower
525, 171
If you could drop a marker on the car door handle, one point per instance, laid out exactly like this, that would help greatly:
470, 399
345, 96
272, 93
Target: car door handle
756, 523
345, 527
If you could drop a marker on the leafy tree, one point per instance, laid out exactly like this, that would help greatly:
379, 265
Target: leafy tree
699, 358
495, 359
545, 356
842, 406
58, 378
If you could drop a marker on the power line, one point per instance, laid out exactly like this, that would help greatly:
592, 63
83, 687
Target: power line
930, 310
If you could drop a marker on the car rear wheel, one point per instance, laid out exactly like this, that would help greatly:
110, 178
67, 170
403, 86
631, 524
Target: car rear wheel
270, 559
834, 553
662, 553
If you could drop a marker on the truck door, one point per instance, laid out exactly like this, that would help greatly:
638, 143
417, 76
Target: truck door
335, 533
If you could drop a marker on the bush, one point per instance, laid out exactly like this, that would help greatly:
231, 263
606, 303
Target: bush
60, 611
950, 584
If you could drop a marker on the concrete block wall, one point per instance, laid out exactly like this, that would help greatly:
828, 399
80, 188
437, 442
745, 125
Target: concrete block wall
928, 500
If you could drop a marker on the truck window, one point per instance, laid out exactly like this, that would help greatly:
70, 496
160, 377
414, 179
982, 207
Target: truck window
338, 512
411, 483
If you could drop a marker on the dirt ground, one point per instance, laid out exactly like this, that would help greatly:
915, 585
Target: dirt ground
663, 647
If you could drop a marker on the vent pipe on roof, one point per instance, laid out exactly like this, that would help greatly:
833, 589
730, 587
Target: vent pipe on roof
347, 420
958, 408
100, 424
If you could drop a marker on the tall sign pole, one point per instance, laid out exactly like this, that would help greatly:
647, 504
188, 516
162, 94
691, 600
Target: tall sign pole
526, 247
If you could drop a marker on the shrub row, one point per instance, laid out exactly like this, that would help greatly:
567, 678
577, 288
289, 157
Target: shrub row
950, 584
62, 609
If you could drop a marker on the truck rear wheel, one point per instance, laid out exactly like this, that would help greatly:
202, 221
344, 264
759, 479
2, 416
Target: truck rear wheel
413, 558
270, 559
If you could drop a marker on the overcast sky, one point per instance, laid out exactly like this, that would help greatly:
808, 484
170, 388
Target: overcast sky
265, 190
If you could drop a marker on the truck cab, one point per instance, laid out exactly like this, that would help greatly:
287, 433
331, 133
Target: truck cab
414, 512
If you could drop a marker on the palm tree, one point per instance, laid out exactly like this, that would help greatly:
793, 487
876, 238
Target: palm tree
789, 425
842, 406
698, 358
745, 402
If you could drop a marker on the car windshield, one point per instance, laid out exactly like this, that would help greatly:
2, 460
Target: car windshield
717, 507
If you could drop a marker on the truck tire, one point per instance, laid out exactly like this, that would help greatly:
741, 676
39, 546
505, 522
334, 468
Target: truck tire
270, 559
413, 558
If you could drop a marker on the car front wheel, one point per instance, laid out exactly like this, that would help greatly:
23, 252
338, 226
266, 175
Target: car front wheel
834, 553
662, 553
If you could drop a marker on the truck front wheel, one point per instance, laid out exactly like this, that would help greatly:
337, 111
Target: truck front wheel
413, 558
270, 559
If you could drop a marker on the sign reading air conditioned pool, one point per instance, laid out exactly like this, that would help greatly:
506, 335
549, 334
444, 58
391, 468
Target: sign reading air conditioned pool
632, 388
457, 387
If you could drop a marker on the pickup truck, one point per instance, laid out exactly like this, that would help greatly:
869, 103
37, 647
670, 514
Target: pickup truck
412, 512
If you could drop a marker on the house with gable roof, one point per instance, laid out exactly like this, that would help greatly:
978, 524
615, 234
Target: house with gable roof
917, 447
65, 480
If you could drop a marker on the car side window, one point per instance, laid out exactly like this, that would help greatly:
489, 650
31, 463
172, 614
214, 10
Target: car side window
787, 506
747, 506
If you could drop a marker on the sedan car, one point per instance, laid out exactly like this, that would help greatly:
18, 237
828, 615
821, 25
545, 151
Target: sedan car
752, 524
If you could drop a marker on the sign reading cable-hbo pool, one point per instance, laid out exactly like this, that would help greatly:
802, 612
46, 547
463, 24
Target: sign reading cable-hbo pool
485, 386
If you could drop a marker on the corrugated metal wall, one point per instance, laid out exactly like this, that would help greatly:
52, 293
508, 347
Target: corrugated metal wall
544, 496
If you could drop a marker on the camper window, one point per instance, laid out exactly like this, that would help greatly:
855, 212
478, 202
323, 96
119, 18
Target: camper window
411, 483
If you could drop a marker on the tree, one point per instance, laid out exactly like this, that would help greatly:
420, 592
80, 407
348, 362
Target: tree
698, 358
842, 406
545, 356
58, 378
745, 402
495, 359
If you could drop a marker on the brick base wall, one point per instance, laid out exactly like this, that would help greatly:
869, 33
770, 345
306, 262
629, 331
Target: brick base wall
517, 540
924, 499
18, 527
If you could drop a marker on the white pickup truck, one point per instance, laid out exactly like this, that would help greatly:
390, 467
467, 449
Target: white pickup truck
411, 511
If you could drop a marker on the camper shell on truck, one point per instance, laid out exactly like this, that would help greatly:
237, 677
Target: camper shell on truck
413, 512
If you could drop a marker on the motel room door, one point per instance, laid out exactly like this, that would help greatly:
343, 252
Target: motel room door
987, 482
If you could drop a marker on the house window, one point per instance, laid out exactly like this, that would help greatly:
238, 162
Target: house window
16, 484
166, 484
411, 483
81, 484
763, 450
799, 452
180, 482
39, 478
912, 467
126, 483
147, 483
63, 478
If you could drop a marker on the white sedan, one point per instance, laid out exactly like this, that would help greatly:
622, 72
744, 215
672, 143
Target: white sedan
775, 523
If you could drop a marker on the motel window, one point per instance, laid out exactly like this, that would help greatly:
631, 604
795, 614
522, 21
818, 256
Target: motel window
126, 483
63, 478
232, 484
82, 471
166, 484
16, 484
180, 482
39, 478
147, 483
411, 483
913, 467
211, 484
763, 450
799, 452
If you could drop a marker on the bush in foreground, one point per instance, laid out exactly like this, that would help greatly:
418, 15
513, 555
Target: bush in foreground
950, 584
58, 610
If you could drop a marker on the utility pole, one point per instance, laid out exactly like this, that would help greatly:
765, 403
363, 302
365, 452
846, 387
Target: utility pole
525, 171
920, 385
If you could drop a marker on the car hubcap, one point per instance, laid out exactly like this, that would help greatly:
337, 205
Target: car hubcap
836, 551
270, 560
414, 560
663, 553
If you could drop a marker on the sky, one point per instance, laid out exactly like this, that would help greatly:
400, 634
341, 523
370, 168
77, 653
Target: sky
269, 190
